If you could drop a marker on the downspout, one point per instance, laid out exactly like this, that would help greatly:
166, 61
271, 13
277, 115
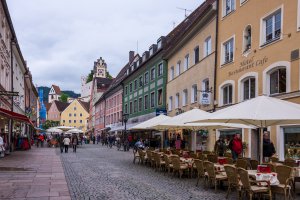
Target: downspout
12, 41
216, 56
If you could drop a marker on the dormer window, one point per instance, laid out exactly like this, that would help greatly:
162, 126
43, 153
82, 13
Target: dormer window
144, 57
137, 63
132, 67
159, 44
151, 51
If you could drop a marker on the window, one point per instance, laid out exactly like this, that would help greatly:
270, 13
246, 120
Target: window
159, 97
80, 121
227, 94
177, 101
152, 74
130, 108
74, 121
196, 54
80, 114
146, 102
140, 104
64, 121
178, 68
70, 121
126, 109
74, 114
207, 46
242, 1
135, 106
247, 38
141, 81
186, 62
160, 69
194, 94
170, 103
151, 51
271, 27
205, 85
249, 88
229, 6
172, 73
135, 84
74, 108
146, 79
184, 97
228, 51
159, 43
70, 115
278, 81
126, 90
152, 99
130, 87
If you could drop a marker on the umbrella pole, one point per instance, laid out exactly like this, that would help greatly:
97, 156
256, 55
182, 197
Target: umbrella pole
261, 145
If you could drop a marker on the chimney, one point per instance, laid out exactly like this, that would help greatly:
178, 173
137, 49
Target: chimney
131, 56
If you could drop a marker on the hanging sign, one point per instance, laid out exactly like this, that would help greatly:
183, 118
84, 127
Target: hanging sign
205, 98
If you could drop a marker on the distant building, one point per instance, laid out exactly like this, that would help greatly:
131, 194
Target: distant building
55, 110
54, 93
86, 89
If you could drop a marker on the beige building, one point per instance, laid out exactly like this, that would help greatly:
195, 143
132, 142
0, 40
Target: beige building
258, 54
191, 64
76, 115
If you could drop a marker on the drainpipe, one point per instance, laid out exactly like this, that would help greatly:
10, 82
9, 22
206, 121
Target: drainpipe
216, 56
12, 42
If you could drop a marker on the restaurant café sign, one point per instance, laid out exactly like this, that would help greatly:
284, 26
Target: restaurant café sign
248, 64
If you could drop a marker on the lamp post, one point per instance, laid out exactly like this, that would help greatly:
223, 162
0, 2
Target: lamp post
125, 120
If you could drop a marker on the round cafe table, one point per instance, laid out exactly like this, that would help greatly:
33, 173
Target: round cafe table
271, 177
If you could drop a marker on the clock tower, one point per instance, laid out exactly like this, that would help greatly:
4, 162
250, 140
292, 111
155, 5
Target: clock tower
100, 68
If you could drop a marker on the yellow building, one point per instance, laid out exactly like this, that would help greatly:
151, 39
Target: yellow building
76, 115
258, 54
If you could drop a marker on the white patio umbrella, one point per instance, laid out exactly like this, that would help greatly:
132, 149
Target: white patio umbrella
64, 128
260, 112
54, 130
146, 125
74, 130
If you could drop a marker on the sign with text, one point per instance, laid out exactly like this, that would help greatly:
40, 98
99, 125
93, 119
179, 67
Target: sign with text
205, 98
8, 93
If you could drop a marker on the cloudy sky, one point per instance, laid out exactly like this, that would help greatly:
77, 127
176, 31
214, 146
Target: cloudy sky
61, 39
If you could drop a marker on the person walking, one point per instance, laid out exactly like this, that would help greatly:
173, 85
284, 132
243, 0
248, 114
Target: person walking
236, 146
268, 147
61, 143
66, 143
98, 139
220, 146
74, 142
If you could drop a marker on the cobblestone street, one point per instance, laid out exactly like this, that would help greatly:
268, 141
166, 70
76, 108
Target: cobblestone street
97, 172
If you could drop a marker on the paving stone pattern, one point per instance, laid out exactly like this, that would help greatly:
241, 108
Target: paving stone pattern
97, 172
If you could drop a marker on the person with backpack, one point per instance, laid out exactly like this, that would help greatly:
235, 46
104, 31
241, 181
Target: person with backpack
236, 146
220, 146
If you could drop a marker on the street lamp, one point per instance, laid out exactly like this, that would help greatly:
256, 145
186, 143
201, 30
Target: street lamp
125, 120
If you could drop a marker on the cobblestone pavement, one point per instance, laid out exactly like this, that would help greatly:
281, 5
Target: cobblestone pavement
97, 172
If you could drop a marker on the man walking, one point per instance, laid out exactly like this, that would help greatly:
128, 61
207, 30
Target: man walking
66, 143
74, 142
61, 143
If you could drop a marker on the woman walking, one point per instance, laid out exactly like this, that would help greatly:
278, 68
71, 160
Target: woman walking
74, 142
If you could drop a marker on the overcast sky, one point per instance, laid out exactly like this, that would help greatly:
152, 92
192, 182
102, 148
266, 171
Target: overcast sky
61, 39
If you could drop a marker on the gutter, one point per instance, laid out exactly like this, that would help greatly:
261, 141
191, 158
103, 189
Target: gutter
216, 56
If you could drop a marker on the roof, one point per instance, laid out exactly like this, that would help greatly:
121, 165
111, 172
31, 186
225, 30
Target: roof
56, 89
85, 105
101, 81
61, 106
48, 105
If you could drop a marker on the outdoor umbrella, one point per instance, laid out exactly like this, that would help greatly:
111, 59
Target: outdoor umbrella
261, 112
54, 130
64, 128
150, 123
74, 130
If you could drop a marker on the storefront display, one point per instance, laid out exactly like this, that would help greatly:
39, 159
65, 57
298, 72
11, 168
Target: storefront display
292, 142
201, 140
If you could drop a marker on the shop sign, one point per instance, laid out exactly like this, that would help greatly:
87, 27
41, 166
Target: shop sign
205, 98
161, 111
248, 64
8, 93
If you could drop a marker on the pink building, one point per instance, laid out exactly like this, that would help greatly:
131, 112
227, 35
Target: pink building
55, 110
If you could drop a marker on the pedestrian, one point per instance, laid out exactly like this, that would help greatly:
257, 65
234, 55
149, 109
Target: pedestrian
98, 139
146, 143
220, 146
74, 142
236, 146
61, 143
268, 147
66, 143
2, 149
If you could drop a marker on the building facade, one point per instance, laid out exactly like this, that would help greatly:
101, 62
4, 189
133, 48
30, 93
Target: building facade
259, 55
55, 110
54, 93
86, 89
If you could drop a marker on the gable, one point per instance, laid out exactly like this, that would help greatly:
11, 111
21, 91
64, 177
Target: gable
52, 91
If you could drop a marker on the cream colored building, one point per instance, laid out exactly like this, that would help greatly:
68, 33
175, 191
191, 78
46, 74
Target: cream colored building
76, 115
258, 54
191, 64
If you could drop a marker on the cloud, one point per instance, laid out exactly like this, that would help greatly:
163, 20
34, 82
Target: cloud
61, 39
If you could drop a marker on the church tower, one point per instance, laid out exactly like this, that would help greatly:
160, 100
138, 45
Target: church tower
100, 68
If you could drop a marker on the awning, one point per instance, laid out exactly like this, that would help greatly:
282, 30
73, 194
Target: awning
15, 116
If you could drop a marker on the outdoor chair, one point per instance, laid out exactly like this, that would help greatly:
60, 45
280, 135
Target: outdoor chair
229, 161
285, 181
150, 158
272, 167
178, 166
212, 177
274, 159
212, 158
200, 170
254, 164
242, 163
159, 163
250, 186
136, 156
193, 155
233, 180
168, 165
202, 157
227, 154
290, 162
142, 155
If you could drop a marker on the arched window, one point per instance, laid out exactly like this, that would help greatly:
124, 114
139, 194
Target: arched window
227, 94
248, 88
247, 38
278, 81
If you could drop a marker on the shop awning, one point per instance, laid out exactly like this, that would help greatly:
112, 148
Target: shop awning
15, 116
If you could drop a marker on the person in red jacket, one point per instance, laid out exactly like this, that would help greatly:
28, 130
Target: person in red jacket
236, 146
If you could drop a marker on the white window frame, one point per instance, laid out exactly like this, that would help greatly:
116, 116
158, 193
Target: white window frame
160, 67
242, 2
263, 41
186, 62
207, 46
224, 14
197, 47
241, 84
172, 73
204, 84
270, 69
223, 50
194, 93
152, 78
177, 96
170, 105
184, 97
152, 106
244, 40
221, 86
178, 70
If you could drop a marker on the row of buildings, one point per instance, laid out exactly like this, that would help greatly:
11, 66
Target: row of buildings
18, 95
223, 53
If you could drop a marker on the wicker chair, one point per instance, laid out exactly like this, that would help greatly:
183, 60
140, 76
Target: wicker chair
200, 170
212, 158
233, 180
290, 162
274, 159
168, 165
229, 160
178, 167
254, 164
211, 174
136, 156
159, 163
253, 189
142, 155
242, 163
202, 157
150, 158
286, 181
227, 154
193, 155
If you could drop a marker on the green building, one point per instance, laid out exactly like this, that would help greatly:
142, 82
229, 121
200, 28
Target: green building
144, 88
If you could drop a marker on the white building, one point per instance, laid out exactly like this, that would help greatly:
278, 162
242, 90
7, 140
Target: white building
86, 89
54, 93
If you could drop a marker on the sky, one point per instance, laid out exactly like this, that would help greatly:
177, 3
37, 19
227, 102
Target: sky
61, 39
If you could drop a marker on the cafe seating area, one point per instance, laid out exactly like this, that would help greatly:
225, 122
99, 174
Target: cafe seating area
249, 178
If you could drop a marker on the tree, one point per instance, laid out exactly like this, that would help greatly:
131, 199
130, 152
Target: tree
50, 123
90, 76
64, 98
108, 75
